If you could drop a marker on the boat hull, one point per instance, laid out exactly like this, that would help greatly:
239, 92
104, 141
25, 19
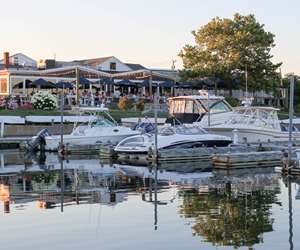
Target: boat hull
184, 145
53, 142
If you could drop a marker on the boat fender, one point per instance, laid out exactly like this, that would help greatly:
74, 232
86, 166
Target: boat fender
235, 136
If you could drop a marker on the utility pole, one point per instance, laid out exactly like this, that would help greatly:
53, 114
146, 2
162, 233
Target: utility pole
150, 84
173, 64
246, 79
173, 68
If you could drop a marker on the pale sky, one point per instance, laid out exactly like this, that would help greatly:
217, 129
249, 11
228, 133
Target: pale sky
150, 32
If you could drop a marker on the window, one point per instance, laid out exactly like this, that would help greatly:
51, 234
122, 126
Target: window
3, 86
198, 109
219, 107
189, 106
179, 106
113, 66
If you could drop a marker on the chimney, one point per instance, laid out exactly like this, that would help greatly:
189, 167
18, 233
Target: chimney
6, 59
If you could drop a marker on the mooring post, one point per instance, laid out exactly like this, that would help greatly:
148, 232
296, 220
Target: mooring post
62, 102
291, 114
2, 129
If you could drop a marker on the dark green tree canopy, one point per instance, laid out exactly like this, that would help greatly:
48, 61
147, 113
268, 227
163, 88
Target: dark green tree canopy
226, 47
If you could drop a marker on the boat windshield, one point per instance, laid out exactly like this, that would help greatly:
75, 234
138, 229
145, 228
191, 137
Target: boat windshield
183, 130
102, 123
256, 116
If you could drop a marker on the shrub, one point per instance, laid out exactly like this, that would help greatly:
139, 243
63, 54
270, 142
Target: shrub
125, 103
140, 105
26, 106
43, 100
8, 102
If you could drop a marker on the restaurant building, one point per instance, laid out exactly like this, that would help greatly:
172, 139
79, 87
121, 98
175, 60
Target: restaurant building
19, 70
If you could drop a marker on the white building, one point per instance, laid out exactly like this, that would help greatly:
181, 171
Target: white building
21, 60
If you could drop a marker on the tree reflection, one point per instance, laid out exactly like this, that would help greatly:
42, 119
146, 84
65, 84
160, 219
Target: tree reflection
230, 218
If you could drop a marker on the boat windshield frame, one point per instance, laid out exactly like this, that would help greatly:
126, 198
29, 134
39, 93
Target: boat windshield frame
264, 117
94, 113
182, 130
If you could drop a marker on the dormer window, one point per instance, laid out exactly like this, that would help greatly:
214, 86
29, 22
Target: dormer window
112, 66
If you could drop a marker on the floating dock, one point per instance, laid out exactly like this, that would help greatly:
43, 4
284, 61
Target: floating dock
218, 157
13, 142
247, 160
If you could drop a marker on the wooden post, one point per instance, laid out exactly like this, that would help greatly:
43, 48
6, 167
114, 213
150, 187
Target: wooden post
24, 87
150, 84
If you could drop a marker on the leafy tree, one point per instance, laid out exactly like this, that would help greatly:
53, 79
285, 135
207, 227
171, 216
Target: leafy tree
226, 47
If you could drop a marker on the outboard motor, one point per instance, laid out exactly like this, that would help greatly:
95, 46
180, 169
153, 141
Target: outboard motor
38, 141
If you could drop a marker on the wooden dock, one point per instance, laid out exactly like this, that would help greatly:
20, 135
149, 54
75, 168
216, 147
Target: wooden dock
222, 157
247, 160
12, 142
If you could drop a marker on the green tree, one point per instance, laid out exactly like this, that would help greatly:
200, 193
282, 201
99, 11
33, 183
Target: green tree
226, 47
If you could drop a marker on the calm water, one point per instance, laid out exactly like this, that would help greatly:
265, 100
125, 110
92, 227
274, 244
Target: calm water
94, 205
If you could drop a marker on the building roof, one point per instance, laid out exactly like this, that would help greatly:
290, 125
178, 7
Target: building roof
93, 62
135, 66
19, 54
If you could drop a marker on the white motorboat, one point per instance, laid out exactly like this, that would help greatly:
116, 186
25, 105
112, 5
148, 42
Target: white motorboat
255, 124
97, 131
172, 137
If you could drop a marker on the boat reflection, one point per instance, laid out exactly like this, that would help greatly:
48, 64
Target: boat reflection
51, 183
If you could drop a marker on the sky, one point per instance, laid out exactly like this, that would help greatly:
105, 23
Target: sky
149, 32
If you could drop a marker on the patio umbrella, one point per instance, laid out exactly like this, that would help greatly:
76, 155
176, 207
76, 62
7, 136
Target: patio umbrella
106, 80
84, 81
66, 85
166, 84
42, 83
184, 85
126, 82
144, 83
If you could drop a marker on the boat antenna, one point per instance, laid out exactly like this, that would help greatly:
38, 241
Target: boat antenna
291, 113
246, 79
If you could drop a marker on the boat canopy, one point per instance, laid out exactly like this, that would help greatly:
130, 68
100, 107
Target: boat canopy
189, 109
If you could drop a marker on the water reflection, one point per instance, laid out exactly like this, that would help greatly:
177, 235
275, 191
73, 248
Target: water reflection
223, 208
232, 211
53, 182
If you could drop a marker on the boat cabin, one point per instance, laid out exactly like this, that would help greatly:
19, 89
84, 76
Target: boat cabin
189, 109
